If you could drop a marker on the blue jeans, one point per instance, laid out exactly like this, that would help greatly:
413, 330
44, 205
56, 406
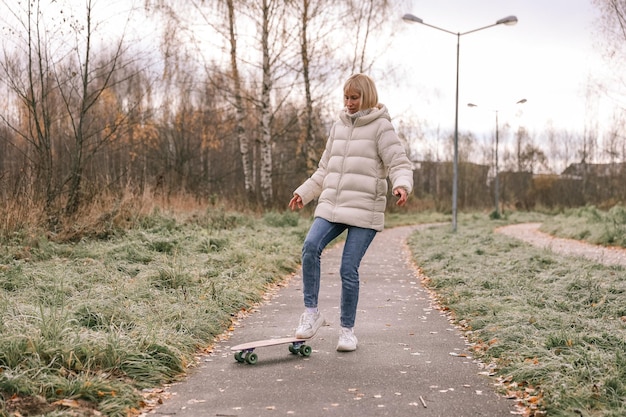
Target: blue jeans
322, 232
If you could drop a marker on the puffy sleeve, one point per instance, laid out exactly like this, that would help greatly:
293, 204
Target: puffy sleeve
312, 187
393, 154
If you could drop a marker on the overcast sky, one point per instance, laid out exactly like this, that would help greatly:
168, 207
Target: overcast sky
546, 58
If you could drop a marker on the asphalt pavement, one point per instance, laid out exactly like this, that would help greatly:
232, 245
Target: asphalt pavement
410, 361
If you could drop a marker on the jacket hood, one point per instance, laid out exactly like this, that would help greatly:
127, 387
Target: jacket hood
380, 111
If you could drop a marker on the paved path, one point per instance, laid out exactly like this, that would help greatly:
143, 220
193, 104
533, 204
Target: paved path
529, 232
411, 360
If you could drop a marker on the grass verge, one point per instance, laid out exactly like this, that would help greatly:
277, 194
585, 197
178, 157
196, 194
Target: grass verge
600, 227
86, 326
551, 327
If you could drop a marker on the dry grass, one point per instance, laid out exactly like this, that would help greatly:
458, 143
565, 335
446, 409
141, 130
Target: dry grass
551, 327
600, 227
104, 214
123, 297
97, 320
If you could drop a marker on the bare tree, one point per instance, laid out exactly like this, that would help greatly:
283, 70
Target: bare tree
227, 9
264, 83
521, 141
69, 109
310, 12
532, 158
93, 115
560, 148
242, 136
615, 139
612, 27
367, 18
27, 77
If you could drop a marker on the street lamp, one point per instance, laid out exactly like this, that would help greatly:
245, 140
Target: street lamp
509, 20
496, 174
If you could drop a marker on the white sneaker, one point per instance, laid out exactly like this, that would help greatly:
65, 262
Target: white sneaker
347, 341
309, 325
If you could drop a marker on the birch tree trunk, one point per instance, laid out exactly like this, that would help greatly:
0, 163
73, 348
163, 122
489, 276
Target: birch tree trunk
265, 172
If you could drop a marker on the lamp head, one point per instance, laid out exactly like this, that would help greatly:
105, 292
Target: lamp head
509, 20
411, 18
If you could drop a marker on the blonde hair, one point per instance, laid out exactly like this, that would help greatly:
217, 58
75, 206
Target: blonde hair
365, 86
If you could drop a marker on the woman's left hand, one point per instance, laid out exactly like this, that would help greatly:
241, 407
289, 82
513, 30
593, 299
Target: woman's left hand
402, 196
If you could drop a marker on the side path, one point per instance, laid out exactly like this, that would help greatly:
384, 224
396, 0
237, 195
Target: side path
530, 233
410, 361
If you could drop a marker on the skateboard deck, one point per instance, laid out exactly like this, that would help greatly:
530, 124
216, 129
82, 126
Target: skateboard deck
245, 351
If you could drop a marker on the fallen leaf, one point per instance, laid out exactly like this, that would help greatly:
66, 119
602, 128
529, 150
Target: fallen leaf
67, 403
423, 402
194, 401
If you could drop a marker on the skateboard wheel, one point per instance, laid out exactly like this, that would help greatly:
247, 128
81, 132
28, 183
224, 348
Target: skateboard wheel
293, 349
305, 350
239, 357
251, 358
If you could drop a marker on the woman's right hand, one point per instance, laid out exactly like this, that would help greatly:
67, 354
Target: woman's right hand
296, 202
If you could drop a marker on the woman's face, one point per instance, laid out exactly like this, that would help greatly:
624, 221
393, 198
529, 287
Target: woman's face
352, 101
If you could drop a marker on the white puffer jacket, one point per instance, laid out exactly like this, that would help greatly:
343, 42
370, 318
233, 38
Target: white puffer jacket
351, 180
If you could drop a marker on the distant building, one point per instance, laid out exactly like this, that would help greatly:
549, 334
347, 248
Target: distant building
577, 171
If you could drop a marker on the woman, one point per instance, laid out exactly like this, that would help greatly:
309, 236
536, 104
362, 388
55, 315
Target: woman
350, 184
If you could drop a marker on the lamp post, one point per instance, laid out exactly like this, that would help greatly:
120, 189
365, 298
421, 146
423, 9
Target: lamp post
509, 20
496, 174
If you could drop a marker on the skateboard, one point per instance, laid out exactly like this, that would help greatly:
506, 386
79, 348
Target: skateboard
245, 351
